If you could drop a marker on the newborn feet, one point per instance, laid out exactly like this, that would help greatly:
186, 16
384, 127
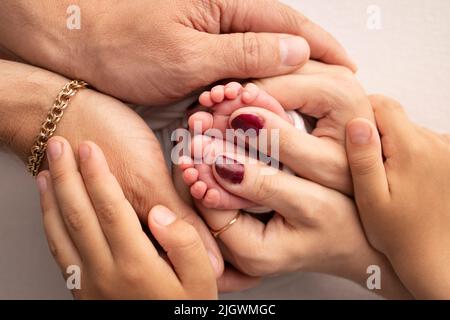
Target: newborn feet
198, 174
198, 171
224, 100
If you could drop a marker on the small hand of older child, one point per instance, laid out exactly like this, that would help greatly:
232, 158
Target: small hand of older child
90, 224
404, 201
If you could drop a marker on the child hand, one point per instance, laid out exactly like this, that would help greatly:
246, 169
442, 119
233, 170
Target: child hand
404, 202
90, 224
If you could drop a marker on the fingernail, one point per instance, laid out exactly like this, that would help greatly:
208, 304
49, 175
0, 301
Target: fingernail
247, 122
54, 149
229, 169
163, 216
42, 183
214, 262
84, 151
293, 50
360, 132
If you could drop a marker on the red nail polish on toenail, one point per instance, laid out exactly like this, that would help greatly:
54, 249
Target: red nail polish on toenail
247, 122
230, 169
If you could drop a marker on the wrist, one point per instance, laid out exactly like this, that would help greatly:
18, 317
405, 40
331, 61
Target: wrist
26, 95
424, 270
366, 264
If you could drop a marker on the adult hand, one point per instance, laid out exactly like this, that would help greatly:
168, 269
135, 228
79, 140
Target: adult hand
314, 229
90, 224
131, 149
403, 201
331, 95
154, 52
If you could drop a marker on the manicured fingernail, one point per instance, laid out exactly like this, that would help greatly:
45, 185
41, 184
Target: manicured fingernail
163, 216
84, 151
214, 262
230, 169
360, 132
247, 122
293, 50
54, 149
42, 183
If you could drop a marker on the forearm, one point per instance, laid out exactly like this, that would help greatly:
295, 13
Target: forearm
26, 94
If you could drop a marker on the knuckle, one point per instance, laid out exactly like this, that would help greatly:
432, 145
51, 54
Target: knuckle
377, 99
393, 105
265, 188
364, 163
263, 263
53, 249
285, 139
73, 218
62, 176
381, 103
292, 19
133, 275
344, 79
106, 211
343, 72
129, 270
336, 166
93, 177
251, 52
208, 8
189, 239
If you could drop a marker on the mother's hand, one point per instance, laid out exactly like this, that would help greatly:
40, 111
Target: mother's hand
314, 229
332, 96
90, 224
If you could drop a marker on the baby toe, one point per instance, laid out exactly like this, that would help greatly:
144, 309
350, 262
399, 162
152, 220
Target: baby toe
218, 94
232, 90
250, 93
211, 199
190, 176
198, 190
200, 122
205, 99
185, 162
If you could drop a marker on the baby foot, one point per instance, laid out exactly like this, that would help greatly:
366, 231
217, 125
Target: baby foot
198, 174
224, 100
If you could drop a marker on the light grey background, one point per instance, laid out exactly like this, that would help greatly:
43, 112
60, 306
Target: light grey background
409, 59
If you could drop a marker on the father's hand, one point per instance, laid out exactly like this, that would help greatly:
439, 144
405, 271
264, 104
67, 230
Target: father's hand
157, 51
132, 150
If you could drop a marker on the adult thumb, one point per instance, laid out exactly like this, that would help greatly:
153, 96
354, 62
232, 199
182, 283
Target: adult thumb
365, 158
256, 55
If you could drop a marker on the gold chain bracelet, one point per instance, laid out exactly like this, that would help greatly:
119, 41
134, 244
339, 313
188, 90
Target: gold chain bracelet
48, 127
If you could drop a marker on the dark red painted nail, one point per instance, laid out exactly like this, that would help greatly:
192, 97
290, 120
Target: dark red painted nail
230, 170
247, 122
